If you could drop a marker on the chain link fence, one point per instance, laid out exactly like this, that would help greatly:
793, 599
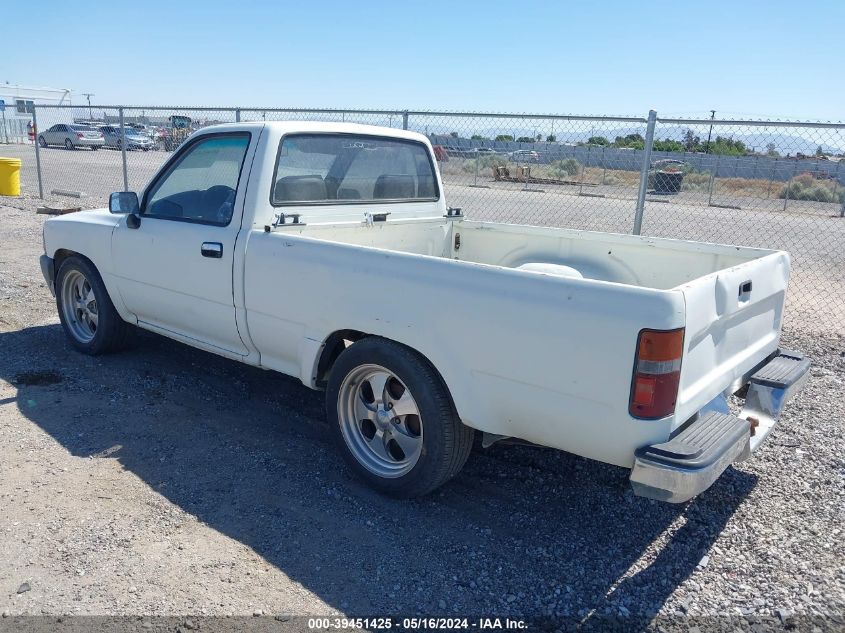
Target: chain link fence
758, 183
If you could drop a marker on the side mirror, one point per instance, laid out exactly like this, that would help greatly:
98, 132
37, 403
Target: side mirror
124, 202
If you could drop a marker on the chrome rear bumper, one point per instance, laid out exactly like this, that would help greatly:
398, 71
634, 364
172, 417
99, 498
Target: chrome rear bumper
699, 452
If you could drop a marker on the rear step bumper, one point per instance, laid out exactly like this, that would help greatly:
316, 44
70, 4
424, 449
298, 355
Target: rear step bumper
689, 463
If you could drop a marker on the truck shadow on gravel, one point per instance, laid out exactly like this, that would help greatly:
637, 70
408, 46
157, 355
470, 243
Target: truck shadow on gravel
520, 531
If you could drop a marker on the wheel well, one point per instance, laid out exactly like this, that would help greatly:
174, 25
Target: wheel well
334, 345
340, 340
62, 254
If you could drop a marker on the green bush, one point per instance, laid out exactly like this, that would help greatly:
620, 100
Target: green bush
565, 167
806, 187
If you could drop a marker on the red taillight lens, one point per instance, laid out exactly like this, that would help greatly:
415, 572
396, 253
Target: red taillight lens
80, 135
657, 373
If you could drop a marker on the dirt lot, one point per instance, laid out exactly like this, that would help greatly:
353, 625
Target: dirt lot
165, 480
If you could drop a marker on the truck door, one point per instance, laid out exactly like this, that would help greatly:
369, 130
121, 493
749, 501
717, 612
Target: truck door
175, 269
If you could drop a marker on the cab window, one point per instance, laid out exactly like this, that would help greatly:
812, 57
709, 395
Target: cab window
202, 183
350, 168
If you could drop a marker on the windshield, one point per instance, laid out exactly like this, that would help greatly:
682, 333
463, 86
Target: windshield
82, 128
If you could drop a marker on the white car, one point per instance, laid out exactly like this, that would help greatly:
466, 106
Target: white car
328, 252
524, 156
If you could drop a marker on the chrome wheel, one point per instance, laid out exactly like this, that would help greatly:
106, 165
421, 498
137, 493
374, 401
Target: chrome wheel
79, 306
380, 421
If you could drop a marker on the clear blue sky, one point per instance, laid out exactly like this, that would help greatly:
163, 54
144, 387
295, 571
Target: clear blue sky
743, 58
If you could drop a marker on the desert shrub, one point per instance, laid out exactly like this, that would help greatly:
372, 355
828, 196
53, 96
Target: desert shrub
805, 180
806, 187
565, 167
485, 162
617, 178
695, 180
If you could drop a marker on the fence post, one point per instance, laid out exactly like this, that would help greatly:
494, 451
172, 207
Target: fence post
123, 149
604, 166
37, 152
237, 115
788, 183
772, 178
649, 141
583, 171
405, 120
713, 180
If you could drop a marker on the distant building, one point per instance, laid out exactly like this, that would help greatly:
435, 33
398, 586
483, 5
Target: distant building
18, 101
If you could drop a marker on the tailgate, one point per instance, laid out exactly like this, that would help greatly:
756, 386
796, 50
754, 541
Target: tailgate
733, 321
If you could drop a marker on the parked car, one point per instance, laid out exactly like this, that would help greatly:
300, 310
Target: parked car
134, 138
424, 327
458, 152
524, 156
71, 136
146, 130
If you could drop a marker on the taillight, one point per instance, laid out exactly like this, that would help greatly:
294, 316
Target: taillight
80, 135
657, 373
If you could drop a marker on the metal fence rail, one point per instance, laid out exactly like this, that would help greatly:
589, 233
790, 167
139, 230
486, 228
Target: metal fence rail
771, 184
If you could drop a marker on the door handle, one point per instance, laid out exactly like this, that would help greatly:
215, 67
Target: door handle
212, 249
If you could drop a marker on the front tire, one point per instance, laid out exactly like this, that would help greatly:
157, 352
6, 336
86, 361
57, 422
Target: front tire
393, 419
86, 311
42, 142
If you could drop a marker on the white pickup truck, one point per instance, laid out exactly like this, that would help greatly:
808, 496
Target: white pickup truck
327, 252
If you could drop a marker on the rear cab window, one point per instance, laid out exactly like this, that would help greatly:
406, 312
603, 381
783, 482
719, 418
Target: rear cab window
352, 168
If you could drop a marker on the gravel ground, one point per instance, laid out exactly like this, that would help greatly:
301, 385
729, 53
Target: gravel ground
136, 484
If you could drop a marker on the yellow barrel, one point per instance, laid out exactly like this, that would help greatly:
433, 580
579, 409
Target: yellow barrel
10, 176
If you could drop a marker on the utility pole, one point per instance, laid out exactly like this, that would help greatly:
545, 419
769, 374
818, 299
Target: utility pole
88, 96
710, 133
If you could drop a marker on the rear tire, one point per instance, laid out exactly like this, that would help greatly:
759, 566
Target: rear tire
86, 311
404, 439
69, 144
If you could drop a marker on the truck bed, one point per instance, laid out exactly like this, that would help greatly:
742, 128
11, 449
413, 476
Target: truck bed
568, 304
631, 260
